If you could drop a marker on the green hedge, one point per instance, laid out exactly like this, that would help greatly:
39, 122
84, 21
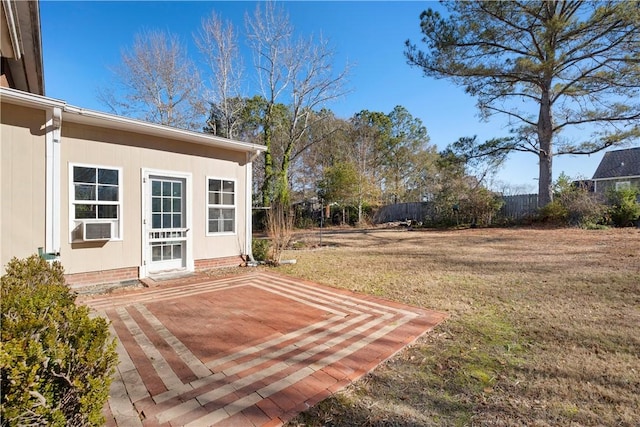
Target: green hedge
56, 361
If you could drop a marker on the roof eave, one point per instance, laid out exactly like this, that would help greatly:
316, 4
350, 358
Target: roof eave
104, 120
24, 57
611, 178
99, 119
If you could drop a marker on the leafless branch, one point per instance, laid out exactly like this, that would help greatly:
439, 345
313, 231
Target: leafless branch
157, 82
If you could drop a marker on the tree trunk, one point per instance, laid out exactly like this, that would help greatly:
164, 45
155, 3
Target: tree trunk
396, 183
545, 180
267, 185
282, 182
545, 154
281, 191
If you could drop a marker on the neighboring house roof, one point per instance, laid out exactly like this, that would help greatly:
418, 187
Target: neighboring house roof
95, 118
21, 46
619, 164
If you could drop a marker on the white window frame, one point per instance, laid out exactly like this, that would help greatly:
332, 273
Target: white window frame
222, 206
73, 222
622, 185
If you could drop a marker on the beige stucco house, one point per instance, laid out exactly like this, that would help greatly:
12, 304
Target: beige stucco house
111, 198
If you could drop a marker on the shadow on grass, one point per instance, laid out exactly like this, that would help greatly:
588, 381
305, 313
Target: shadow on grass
338, 411
442, 380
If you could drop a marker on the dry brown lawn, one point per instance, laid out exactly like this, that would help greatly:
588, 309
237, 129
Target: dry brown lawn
544, 326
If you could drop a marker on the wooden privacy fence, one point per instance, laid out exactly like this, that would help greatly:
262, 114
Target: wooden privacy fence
401, 212
519, 206
513, 208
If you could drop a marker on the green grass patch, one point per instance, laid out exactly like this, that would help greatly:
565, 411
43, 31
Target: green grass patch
483, 346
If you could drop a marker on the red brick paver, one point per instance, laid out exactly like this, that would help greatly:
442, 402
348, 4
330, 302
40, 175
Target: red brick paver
250, 350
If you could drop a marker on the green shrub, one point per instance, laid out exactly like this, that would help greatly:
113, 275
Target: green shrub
573, 205
624, 207
56, 361
261, 249
554, 213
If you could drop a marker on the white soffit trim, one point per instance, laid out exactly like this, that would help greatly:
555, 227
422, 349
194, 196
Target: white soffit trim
616, 178
95, 118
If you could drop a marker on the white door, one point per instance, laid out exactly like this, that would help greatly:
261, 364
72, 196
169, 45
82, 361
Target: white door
165, 224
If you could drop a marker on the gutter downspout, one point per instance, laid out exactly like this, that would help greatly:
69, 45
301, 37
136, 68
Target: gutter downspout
248, 205
52, 183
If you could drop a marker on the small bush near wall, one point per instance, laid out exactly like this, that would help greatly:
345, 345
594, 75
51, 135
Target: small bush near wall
56, 361
261, 249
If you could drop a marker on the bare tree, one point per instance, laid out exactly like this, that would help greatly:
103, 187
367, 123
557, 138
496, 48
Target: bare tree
369, 129
217, 41
157, 82
298, 73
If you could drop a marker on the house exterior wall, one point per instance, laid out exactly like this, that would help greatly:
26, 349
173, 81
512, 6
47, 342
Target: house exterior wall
22, 182
25, 181
602, 186
132, 153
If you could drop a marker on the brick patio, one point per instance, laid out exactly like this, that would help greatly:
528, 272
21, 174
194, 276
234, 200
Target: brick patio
249, 350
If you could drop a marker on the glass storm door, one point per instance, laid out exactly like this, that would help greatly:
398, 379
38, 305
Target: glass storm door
165, 224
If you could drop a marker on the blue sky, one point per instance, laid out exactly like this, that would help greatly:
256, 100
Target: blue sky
82, 39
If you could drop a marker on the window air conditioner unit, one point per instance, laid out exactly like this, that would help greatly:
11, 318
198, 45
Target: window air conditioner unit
96, 231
